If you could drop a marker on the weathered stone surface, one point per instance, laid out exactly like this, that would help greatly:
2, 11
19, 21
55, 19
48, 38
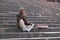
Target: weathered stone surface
46, 12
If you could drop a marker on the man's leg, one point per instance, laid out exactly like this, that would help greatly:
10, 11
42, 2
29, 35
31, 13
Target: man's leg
22, 25
29, 27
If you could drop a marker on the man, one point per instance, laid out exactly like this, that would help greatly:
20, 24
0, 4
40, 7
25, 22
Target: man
23, 22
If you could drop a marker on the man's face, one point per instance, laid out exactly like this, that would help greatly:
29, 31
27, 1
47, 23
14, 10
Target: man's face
22, 11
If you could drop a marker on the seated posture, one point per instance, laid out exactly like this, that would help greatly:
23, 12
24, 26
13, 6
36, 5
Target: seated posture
23, 22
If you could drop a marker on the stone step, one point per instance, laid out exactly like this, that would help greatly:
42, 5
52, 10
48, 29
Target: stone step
14, 16
4, 15
8, 8
7, 26
32, 21
35, 22
37, 38
33, 28
28, 13
16, 8
50, 29
29, 34
8, 13
9, 30
14, 25
31, 18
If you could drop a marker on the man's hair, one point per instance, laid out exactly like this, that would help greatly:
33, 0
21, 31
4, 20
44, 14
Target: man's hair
21, 8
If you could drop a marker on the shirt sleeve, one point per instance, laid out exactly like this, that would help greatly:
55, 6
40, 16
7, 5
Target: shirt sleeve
26, 20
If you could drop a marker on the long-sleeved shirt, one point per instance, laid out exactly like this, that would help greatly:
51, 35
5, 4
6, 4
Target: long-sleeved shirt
24, 17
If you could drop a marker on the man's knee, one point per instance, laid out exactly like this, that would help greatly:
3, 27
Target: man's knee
22, 23
32, 24
21, 20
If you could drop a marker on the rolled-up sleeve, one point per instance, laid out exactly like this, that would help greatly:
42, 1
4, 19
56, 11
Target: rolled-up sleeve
26, 20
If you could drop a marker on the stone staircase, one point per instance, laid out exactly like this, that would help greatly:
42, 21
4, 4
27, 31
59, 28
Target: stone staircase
8, 27
9, 30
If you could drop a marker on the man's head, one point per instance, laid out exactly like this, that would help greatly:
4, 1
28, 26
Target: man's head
22, 10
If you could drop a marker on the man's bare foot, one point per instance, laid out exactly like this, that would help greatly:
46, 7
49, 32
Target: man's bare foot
41, 26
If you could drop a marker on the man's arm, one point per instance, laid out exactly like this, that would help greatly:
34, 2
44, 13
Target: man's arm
26, 21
